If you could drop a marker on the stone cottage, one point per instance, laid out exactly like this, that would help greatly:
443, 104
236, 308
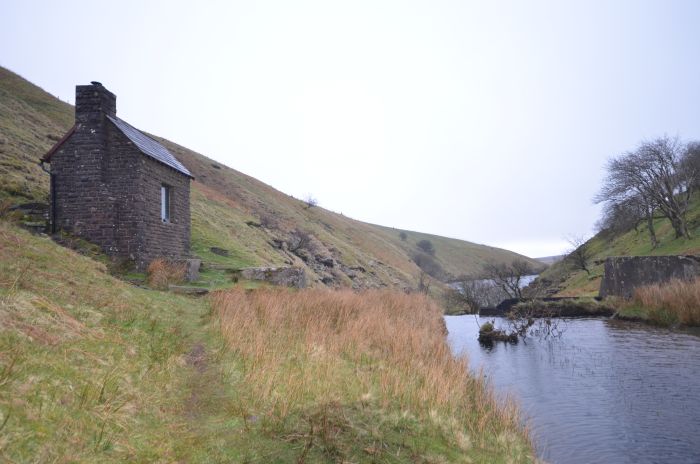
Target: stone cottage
117, 187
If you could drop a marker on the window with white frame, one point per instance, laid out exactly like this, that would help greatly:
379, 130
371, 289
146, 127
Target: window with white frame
165, 196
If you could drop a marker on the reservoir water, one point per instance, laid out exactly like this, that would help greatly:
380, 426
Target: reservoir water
606, 391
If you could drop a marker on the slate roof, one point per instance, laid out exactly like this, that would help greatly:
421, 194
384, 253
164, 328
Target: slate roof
148, 146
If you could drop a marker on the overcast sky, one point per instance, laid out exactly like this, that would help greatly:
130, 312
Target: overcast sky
486, 121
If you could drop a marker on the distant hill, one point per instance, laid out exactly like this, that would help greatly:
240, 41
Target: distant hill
238, 221
549, 260
562, 280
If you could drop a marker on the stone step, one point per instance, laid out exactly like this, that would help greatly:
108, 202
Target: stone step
219, 267
188, 290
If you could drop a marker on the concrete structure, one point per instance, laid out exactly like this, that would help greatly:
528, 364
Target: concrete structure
625, 273
116, 187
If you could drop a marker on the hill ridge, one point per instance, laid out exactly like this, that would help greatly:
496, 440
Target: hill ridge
254, 223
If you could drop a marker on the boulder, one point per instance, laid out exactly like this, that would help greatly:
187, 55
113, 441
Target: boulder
325, 260
283, 276
183, 290
191, 269
219, 251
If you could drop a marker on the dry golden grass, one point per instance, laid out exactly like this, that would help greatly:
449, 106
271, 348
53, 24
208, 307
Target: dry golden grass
379, 349
674, 302
162, 273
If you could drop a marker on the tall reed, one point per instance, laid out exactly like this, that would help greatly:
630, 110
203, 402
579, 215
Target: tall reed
161, 273
379, 349
674, 302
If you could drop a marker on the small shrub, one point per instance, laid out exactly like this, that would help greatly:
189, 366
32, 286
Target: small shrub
428, 264
310, 201
486, 327
457, 303
5, 206
269, 221
300, 240
162, 273
403, 236
426, 246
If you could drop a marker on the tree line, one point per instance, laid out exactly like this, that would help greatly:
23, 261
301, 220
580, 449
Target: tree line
656, 180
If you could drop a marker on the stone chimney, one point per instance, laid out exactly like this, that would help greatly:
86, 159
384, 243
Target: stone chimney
92, 102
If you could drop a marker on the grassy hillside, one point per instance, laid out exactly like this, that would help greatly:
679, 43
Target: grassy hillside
235, 212
566, 281
93, 369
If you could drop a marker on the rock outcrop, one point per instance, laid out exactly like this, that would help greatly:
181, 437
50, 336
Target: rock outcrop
284, 276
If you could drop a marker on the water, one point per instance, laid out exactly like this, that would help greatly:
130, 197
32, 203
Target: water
524, 281
605, 392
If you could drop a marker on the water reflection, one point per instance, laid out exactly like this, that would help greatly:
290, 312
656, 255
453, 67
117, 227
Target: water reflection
606, 391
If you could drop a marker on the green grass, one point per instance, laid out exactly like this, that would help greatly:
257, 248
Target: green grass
93, 366
663, 317
30, 122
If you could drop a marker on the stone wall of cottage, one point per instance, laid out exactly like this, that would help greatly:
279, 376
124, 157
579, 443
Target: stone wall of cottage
163, 239
82, 203
108, 192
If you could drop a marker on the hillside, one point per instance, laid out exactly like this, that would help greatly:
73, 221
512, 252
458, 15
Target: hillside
252, 222
93, 369
562, 280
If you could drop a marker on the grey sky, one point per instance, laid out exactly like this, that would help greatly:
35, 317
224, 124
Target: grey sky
487, 121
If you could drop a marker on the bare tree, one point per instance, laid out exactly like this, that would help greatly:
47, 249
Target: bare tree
623, 196
580, 255
269, 221
509, 277
662, 173
481, 293
310, 201
621, 217
423, 283
299, 240
691, 160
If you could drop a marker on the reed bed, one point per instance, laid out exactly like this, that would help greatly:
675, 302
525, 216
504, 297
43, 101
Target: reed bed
379, 350
161, 273
674, 302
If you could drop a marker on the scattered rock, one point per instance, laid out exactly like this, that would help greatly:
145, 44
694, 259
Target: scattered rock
218, 267
277, 243
219, 251
326, 260
197, 358
192, 269
193, 291
215, 166
32, 216
284, 276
